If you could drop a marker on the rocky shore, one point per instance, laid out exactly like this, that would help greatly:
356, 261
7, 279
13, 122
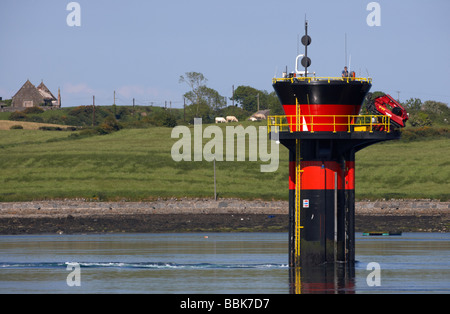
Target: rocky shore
206, 215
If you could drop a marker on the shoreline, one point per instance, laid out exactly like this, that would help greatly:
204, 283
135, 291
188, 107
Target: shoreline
205, 215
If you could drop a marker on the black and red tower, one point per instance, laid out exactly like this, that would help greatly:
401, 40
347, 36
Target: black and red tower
322, 129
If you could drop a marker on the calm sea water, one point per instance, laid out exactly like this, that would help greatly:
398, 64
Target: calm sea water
230, 263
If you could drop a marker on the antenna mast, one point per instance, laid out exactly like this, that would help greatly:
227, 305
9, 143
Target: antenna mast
345, 50
306, 47
306, 41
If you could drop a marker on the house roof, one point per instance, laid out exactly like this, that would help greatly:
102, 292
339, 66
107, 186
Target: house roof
45, 92
27, 85
28, 89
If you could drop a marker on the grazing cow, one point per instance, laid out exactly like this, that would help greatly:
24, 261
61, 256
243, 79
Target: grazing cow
232, 119
220, 120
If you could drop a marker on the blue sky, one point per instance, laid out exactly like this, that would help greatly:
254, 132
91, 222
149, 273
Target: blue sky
140, 48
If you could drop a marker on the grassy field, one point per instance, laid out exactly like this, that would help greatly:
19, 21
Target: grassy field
136, 164
6, 125
397, 170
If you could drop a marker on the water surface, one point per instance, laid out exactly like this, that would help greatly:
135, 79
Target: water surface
231, 263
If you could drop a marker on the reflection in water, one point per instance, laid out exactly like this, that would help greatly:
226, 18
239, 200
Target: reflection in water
326, 279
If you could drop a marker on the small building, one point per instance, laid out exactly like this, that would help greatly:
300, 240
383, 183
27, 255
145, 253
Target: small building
31, 96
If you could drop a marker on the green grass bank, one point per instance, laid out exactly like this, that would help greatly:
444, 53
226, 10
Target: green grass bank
136, 164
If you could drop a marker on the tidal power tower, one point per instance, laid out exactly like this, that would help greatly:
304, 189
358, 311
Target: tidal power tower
322, 129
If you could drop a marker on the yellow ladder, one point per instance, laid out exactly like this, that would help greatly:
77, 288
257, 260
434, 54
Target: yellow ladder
298, 226
298, 172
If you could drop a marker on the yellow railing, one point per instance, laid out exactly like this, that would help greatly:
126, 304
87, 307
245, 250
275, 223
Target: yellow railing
334, 123
323, 79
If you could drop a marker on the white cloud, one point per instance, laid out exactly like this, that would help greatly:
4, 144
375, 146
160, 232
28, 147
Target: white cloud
129, 91
148, 92
81, 88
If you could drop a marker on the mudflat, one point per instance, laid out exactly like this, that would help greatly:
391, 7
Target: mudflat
205, 215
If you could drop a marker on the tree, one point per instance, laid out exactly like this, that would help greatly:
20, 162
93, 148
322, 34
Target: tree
204, 100
195, 80
213, 99
163, 117
247, 97
435, 107
199, 111
420, 119
274, 104
437, 111
206, 96
413, 105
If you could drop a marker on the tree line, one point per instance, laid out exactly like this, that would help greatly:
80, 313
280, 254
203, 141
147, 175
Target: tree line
205, 102
201, 101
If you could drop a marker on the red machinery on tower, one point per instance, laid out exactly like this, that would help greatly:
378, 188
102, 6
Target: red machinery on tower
386, 105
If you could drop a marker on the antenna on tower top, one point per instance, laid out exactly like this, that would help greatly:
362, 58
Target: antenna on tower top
345, 63
306, 41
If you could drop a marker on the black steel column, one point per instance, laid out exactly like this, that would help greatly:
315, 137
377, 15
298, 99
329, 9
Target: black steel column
327, 209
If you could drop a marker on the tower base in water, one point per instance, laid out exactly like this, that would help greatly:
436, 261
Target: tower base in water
322, 194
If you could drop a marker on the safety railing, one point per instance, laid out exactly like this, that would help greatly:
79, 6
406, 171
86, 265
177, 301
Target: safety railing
329, 123
322, 79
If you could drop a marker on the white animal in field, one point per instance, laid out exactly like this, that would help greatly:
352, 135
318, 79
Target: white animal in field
220, 120
259, 116
252, 119
232, 119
